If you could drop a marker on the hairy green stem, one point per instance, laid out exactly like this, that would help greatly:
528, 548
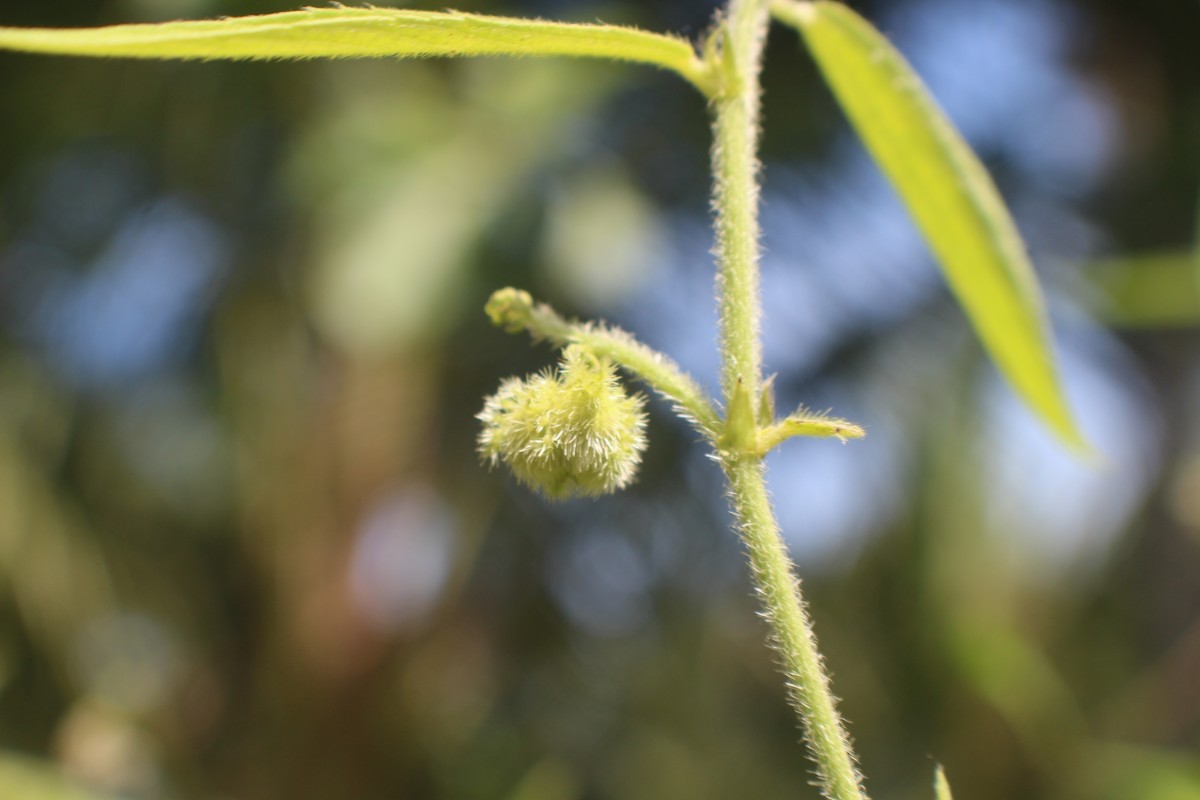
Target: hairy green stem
735, 167
779, 590
515, 311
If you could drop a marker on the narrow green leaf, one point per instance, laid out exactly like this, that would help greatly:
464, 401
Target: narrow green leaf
365, 33
941, 786
949, 194
807, 423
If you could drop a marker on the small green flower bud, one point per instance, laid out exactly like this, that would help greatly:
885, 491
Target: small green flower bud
573, 431
511, 309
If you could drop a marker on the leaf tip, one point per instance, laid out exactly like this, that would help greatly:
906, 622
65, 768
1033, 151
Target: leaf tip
1082, 449
848, 430
1065, 428
941, 786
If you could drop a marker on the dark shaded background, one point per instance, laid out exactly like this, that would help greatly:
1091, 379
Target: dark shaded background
247, 550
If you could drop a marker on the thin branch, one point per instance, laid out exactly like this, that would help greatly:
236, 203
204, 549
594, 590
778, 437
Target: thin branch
515, 311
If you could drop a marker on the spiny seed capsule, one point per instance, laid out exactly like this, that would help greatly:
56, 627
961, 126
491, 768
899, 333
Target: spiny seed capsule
571, 431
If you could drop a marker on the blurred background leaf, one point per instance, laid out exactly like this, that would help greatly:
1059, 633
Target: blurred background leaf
34, 780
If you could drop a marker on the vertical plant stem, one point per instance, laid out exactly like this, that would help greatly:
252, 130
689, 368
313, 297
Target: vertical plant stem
735, 168
791, 628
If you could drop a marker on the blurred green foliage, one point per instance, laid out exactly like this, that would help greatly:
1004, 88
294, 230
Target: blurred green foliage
246, 546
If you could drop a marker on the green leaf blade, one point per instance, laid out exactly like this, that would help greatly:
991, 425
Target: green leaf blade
365, 33
949, 195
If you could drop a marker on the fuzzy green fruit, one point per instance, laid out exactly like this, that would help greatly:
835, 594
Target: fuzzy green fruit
570, 431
